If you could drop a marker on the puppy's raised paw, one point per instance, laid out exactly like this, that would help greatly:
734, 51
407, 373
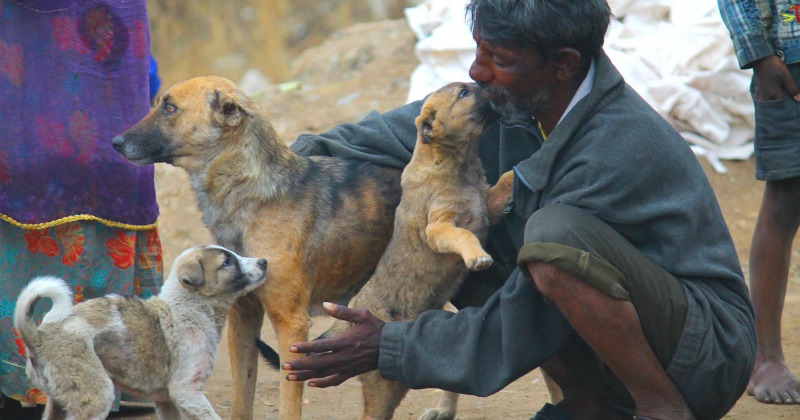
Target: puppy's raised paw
499, 196
479, 262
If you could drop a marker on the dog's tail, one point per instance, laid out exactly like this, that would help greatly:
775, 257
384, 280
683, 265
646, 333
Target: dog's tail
41, 287
269, 354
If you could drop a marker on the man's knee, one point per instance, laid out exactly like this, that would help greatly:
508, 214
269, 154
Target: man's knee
565, 240
558, 223
544, 276
549, 225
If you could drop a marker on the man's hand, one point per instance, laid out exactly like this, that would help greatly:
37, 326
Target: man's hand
341, 357
773, 80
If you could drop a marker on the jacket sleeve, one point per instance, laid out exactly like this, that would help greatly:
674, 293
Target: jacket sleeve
476, 351
386, 139
748, 25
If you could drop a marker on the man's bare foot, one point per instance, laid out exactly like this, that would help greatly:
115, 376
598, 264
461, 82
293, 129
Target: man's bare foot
771, 382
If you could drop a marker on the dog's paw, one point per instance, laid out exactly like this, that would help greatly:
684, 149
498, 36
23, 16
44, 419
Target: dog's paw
499, 197
479, 262
436, 414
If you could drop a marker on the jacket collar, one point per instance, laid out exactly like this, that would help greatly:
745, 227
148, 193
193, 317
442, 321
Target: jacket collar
537, 169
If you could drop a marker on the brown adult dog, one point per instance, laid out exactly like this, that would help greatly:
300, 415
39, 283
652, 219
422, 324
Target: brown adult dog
443, 216
322, 223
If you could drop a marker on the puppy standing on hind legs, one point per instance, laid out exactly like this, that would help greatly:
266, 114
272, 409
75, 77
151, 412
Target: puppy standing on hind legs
444, 214
80, 353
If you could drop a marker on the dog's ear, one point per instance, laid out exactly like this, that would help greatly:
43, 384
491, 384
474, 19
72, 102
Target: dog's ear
227, 108
426, 125
191, 274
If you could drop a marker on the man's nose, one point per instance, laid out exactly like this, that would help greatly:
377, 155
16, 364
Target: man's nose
479, 73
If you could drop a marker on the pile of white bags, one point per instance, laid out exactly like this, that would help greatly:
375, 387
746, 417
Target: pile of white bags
676, 54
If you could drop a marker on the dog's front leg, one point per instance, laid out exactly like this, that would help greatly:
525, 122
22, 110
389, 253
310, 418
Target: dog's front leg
290, 319
445, 237
498, 198
193, 405
244, 326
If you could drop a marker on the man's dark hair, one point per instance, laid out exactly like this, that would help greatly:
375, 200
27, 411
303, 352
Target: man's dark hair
544, 25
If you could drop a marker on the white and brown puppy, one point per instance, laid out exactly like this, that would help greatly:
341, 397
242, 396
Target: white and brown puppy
162, 348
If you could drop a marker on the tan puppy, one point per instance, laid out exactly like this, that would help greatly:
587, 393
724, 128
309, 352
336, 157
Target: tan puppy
442, 218
80, 353
322, 223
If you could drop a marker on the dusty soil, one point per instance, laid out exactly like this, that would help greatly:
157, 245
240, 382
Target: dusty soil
366, 67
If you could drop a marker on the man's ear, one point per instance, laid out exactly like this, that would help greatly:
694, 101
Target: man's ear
227, 109
568, 63
191, 274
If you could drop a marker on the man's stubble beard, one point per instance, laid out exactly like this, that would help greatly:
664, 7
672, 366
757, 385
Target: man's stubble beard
505, 104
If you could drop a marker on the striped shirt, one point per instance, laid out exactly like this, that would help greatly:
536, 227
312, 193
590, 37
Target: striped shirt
761, 28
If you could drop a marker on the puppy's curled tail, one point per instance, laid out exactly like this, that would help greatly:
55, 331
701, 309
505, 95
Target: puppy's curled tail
41, 287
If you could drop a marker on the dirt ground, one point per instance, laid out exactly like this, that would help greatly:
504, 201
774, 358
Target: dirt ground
366, 67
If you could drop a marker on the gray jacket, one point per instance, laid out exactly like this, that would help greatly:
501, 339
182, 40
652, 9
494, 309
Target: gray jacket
615, 157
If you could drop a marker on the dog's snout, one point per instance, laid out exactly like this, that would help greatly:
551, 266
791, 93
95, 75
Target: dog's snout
117, 142
262, 263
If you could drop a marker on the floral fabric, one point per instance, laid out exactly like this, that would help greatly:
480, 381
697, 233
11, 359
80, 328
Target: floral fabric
93, 258
73, 75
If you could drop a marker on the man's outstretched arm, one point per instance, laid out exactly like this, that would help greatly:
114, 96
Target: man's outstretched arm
476, 351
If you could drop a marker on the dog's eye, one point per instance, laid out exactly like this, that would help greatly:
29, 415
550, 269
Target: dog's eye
227, 260
463, 93
169, 108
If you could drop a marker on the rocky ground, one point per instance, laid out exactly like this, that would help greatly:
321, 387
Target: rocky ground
366, 67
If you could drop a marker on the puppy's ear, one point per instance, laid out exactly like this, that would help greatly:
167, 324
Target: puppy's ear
227, 108
426, 125
191, 274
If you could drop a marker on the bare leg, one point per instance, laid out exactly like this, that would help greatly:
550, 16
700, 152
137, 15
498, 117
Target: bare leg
770, 255
612, 329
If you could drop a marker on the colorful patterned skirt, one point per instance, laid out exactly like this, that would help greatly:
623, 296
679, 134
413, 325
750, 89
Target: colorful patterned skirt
93, 258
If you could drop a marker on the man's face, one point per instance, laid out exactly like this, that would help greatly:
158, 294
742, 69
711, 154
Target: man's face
513, 78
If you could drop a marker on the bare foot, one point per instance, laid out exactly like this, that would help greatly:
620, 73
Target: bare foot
771, 382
